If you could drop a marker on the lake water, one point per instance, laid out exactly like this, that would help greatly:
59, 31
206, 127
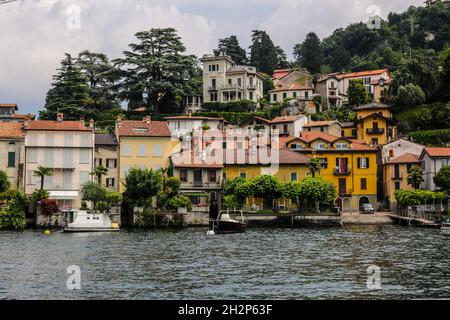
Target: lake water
328, 263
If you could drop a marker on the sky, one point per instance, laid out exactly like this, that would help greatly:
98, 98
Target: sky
35, 34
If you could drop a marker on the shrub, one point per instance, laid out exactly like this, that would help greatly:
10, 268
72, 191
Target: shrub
418, 197
4, 182
48, 207
13, 218
179, 202
39, 195
436, 138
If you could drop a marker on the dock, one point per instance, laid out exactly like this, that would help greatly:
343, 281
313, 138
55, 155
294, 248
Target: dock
414, 221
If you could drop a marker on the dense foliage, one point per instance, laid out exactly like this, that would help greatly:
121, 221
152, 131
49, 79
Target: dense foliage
436, 138
13, 216
442, 179
4, 182
418, 197
142, 185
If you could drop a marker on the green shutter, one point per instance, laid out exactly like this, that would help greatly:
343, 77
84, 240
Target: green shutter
11, 159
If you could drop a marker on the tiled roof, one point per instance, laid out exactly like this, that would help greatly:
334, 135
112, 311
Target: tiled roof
406, 158
193, 118
8, 105
314, 135
373, 105
242, 69
262, 156
347, 124
278, 74
105, 140
438, 152
154, 128
319, 124
292, 87
49, 125
11, 130
362, 73
285, 119
23, 116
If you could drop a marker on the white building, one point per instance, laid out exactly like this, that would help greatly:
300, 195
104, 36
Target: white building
433, 160
224, 81
291, 84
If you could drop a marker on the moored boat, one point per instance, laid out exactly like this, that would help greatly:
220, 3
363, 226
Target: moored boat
225, 225
445, 229
84, 221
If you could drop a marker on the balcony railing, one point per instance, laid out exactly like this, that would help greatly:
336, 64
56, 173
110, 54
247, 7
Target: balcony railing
251, 87
375, 131
205, 184
212, 88
345, 192
342, 172
232, 87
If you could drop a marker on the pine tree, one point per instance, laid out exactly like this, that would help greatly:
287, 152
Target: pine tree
156, 68
230, 46
309, 54
282, 62
68, 94
263, 53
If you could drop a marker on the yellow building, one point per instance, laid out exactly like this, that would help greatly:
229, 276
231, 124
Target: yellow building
350, 166
375, 124
143, 144
395, 175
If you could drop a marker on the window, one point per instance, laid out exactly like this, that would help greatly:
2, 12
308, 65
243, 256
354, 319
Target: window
111, 163
375, 141
294, 94
363, 184
294, 176
111, 183
397, 185
243, 175
251, 95
397, 171
284, 96
240, 145
98, 162
157, 150
324, 162
230, 82
363, 163
68, 159
224, 145
11, 159
126, 150
142, 150
275, 97
84, 157
306, 95
48, 158
31, 156
67, 180
322, 129
84, 177
183, 175
140, 130
50, 140
48, 183
85, 140
408, 167
30, 178
68, 139
212, 176
285, 128
125, 170
391, 153
320, 146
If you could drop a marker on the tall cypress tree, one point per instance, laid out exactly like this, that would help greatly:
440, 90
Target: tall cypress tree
309, 54
263, 53
68, 94
230, 46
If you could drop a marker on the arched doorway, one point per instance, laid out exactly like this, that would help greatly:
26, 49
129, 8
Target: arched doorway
339, 204
347, 204
363, 200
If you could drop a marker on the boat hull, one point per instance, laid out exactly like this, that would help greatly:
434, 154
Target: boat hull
446, 231
90, 230
229, 227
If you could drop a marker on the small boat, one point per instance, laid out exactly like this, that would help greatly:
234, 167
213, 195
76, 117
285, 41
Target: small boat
84, 221
225, 225
445, 229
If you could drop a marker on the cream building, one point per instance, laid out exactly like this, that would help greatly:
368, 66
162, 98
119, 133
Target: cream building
67, 147
224, 81
107, 155
12, 151
292, 84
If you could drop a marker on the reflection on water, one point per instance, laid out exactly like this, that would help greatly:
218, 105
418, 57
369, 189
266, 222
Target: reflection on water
261, 264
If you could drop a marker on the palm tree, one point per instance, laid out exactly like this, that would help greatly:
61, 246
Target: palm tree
415, 177
43, 172
99, 172
314, 165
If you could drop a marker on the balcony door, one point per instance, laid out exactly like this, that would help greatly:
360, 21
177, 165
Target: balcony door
198, 178
342, 186
342, 165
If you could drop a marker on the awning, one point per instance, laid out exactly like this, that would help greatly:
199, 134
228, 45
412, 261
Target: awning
63, 195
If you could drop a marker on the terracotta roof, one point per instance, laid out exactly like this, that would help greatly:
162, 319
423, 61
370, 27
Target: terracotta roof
373, 105
278, 74
437, 152
193, 118
105, 139
314, 135
23, 116
153, 128
406, 158
319, 124
11, 130
8, 105
285, 119
262, 157
362, 73
292, 87
50, 125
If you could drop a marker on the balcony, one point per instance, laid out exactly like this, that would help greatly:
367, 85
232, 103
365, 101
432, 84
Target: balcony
375, 131
251, 87
212, 88
345, 192
342, 172
234, 86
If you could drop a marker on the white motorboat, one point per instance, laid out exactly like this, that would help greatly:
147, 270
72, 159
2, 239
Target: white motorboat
84, 221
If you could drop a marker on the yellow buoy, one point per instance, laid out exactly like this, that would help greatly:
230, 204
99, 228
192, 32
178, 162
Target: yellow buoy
47, 232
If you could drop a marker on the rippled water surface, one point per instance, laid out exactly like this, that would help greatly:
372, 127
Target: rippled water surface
261, 264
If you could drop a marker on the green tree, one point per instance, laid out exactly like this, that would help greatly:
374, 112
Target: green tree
69, 92
291, 190
268, 188
43, 172
4, 182
410, 95
314, 166
156, 71
142, 185
94, 193
442, 179
309, 54
263, 53
99, 172
445, 75
230, 46
357, 93
317, 191
415, 177
282, 62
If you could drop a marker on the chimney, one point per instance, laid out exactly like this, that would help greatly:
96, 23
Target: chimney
60, 117
147, 119
26, 123
91, 124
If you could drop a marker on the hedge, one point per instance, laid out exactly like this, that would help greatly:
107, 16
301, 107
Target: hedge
435, 138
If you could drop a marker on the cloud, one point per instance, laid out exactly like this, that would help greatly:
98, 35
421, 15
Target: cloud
36, 34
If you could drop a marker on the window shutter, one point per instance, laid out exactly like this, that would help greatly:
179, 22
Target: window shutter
359, 163
367, 159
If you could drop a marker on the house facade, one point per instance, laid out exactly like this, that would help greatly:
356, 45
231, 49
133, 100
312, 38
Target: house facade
12, 152
224, 81
107, 155
66, 147
289, 125
433, 160
8, 114
331, 127
291, 84
327, 86
145, 144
